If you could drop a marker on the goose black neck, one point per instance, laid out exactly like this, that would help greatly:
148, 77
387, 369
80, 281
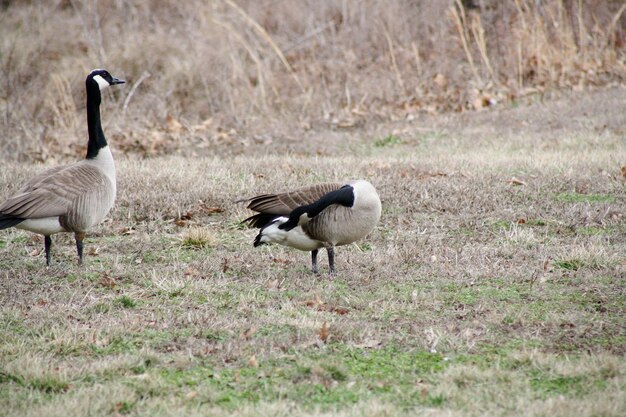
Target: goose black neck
343, 197
97, 140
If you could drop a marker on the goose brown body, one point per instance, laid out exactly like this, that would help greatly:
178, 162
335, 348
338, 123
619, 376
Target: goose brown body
326, 215
78, 196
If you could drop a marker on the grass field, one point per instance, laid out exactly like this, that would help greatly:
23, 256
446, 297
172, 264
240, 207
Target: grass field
494, 284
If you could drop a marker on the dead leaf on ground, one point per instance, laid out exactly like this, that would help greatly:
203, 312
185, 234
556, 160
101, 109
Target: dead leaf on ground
191, 395
337, 310
186, 216
191, 272
209, 209
515, 181
316, 302
281, 261
624, 171
247, 334
482, 100
272, 284
324, 332
433, 174
173, 125
346, 124
107, 282
253, 362
203, 126
440, 80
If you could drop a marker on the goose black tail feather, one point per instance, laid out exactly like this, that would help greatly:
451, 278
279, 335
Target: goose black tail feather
260, 220
7, 221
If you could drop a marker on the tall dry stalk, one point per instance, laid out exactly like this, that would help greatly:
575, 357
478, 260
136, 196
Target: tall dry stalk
268, 39
460, 22
479, 37
392, 56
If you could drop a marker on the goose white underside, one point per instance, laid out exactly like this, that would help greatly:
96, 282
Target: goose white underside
294, 238
45, 226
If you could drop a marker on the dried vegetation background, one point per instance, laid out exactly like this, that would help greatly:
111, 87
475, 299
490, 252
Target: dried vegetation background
225, 75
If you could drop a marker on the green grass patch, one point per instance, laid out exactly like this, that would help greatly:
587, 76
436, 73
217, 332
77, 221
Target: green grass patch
48, 384
336, 377
117, 344
570, 264
21, 238
585, 198
593, 230
501, 224
549, 386
125, 302
124, 407
100, 308
216, 335
535, 222
387, 141
455, 293
463, 231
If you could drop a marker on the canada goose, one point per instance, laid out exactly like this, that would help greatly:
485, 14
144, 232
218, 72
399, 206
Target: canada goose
318, 216
69, 198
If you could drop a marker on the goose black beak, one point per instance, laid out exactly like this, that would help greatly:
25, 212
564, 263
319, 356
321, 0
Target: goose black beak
117, 81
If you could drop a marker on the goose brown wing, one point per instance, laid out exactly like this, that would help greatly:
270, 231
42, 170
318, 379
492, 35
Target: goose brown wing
53, 192
284, 203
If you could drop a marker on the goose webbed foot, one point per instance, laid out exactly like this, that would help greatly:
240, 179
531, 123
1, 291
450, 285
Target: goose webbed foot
79, 246
314, 267
47, 244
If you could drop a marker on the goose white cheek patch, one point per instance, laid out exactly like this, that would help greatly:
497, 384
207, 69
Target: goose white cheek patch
102, 83
304, 218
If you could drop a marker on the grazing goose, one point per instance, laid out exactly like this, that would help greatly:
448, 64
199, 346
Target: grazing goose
318, 216
69, 198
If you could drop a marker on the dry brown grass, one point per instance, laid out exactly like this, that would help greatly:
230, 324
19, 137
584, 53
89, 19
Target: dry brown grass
210, 74
474, 296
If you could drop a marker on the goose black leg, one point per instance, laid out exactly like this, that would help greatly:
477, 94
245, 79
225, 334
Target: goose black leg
314, 267
47, 244
331, 259
79, 246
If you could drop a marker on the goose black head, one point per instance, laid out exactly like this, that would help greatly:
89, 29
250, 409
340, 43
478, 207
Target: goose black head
103, 79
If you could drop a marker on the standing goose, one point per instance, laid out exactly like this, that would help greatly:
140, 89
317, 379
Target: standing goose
69, 198
318, 216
